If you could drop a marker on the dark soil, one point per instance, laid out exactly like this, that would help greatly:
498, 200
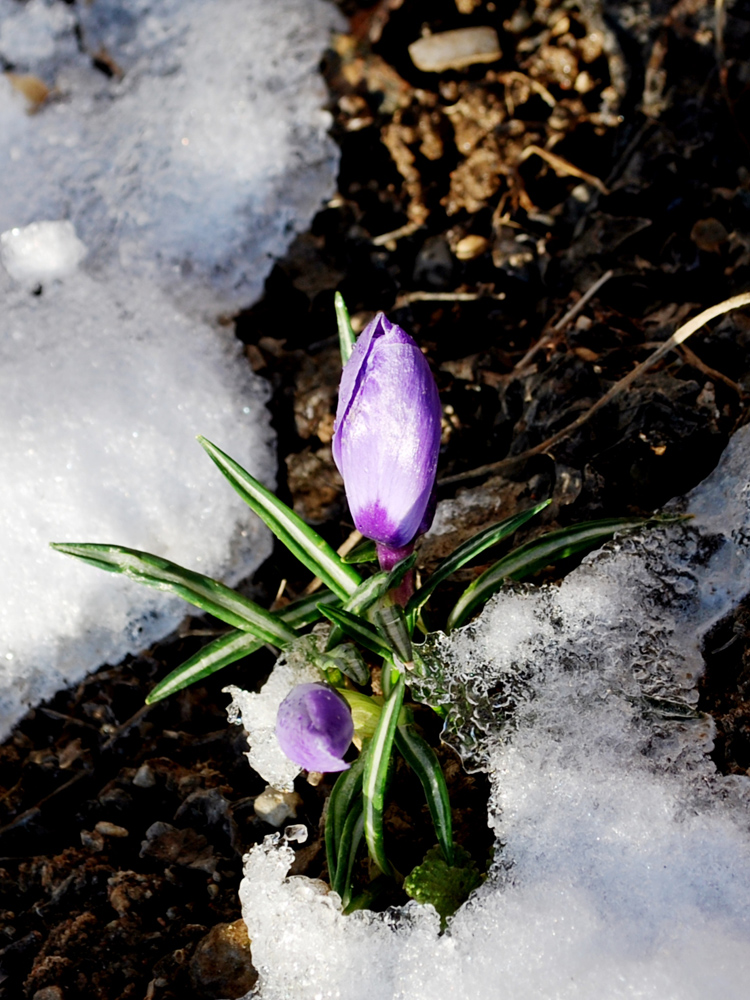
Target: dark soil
122, 829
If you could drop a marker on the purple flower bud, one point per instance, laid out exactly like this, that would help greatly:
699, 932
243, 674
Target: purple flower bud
314, 728
387, 435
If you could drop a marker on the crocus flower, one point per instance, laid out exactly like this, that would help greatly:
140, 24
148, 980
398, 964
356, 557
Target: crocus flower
314, 728
386, 438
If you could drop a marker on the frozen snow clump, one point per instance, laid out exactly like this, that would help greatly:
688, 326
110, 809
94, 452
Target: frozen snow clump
196, 159
41, 251
622, 864
103, 388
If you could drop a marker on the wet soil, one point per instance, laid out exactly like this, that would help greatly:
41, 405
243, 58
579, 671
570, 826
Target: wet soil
476, 206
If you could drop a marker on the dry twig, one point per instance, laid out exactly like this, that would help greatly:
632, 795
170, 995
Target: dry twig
678, 337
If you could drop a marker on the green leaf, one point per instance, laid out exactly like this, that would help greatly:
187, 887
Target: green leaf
377, 759
306, 610
359, 630
468, 550
535, 555
348, 847
347, 788
348, 659
234, 646
445, 886
346, 334
212, 657
364, 552
391, 621
423, 760
301, 540
207, 594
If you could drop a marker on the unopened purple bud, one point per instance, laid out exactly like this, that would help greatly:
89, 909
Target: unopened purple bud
387, 434
314, 728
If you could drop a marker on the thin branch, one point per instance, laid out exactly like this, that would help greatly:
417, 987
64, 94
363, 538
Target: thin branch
407, 297
678, 337
563, 167
568, 318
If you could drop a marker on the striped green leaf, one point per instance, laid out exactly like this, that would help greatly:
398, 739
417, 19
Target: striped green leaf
422, 759
301, 540
374, 779
346, 334
350, 841
207, 594
535, 555
347, 788
212, 657
468, 550
359, 630
234, 646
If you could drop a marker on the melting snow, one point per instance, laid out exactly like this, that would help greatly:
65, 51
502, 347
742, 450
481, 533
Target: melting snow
135, 207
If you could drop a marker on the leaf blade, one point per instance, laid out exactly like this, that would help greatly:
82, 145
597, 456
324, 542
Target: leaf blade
534, 555
229, 648
359, 630
212, 657
468, 550
422, 759
301, 540
202, 591
375, 775
346, 334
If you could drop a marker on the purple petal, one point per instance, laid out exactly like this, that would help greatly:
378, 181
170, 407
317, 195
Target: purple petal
387, 434
314, 728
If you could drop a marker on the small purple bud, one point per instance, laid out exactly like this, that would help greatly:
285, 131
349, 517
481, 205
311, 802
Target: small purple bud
387, 435
314, 728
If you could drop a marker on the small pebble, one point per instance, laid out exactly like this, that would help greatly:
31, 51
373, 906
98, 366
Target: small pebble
471, 246
144, 777
111, 829
94, 841
275, 807
455, 49
222, 964
49, 993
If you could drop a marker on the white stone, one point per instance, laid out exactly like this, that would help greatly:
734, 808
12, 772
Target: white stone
456, 49
276, 807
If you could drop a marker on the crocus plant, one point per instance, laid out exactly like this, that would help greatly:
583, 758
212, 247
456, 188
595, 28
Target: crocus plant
357, 716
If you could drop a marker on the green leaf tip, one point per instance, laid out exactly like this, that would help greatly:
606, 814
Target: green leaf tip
202, 591
346, 334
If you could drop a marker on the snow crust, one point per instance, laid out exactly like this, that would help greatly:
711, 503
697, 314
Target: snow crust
135, 208
622, 859
103, 388
197, 161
